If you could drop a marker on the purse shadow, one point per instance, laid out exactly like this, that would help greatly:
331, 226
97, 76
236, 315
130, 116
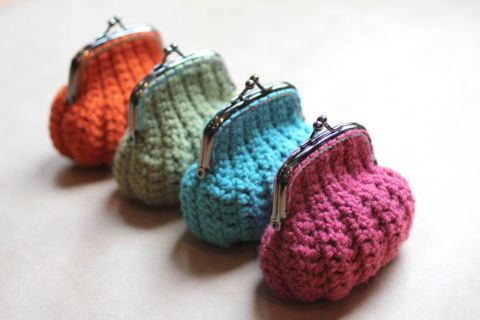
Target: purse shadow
269, 306
138, 215
200, 258
72, 175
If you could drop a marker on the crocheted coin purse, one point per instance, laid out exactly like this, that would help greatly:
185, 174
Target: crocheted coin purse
168, 110
89, 116
225, 197
337, 216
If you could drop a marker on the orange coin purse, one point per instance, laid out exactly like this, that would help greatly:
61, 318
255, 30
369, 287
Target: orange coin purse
89, 115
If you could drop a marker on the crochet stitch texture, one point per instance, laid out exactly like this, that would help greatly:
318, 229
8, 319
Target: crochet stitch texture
347, 218
233, 203
88, 130
175, 109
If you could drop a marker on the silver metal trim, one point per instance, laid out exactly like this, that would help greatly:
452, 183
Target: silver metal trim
76, 65
321, 134
248, 95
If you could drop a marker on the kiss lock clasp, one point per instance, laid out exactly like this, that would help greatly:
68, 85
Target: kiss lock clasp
112, 22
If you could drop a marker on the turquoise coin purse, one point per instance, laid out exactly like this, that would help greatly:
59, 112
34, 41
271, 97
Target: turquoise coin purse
227, 196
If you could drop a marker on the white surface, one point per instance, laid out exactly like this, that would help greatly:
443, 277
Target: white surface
72, 248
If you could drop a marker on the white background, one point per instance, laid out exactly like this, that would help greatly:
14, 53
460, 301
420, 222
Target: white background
72, 248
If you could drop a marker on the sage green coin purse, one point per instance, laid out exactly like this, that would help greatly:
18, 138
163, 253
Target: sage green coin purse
168, 110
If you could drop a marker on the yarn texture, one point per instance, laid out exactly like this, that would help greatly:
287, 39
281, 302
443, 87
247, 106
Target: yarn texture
89, 129
346, 219
233, 203
175, 108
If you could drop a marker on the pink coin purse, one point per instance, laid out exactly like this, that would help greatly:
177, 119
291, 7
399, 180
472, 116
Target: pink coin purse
337, 216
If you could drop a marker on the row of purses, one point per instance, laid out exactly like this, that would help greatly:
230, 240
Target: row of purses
243, 167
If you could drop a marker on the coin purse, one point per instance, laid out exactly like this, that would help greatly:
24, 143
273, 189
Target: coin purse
89, 115
168, 110
225, 197
337, 216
